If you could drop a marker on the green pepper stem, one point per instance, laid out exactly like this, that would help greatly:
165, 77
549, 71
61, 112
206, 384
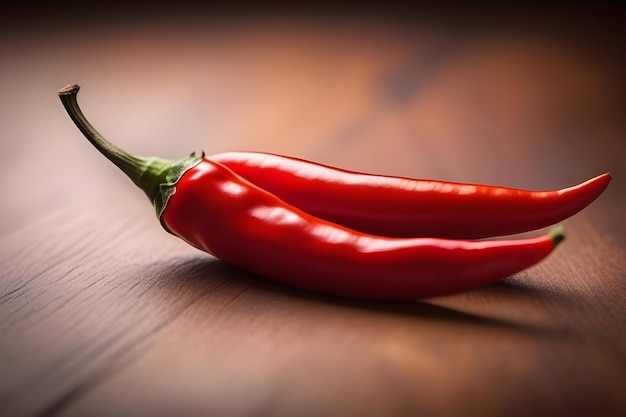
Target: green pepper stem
146, 172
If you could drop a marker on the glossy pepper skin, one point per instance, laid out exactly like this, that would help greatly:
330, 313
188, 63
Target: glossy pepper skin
408, 207
214, 209
225, 215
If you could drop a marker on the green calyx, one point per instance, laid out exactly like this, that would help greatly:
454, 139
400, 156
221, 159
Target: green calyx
157, 177
167, 188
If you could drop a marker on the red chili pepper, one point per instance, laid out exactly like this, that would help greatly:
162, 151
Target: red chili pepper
218, 211
407, 207
223, 214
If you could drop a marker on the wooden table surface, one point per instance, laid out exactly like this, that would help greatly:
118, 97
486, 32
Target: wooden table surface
102, 313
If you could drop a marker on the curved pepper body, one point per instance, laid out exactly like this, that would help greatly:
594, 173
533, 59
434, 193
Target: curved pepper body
221, 213
407, 207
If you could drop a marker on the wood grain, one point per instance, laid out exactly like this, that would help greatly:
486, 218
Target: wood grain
102, 313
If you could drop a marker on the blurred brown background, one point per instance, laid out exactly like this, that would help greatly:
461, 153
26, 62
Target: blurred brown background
103, 313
